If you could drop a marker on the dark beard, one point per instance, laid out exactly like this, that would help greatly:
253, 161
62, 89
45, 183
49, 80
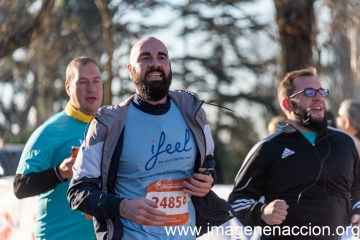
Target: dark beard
313, 124
152, 90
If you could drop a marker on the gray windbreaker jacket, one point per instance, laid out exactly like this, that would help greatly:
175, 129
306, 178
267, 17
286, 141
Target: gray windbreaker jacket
94, 173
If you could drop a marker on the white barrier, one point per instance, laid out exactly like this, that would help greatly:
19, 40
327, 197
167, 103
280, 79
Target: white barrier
17, 217
232, 229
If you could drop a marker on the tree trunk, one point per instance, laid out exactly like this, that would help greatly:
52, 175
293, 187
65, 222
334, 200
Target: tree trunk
30, 101
344, 31
295, 20
108, 47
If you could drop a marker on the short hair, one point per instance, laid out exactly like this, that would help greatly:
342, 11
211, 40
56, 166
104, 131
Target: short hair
79, 61
286, 87
352, 112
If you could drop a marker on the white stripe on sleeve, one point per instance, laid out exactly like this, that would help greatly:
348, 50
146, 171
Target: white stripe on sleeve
88, 162
356, 205
241, 204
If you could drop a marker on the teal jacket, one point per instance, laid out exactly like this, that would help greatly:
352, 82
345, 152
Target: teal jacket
47, 147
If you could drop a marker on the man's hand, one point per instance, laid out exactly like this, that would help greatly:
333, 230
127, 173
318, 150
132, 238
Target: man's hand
65, 168
355, 221
199, 185
275, 212
142, 211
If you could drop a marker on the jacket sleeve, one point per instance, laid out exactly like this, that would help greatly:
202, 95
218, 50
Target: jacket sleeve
84, 195
33, 184
84, 191
210, 162
37, 170
355, 188
248, 189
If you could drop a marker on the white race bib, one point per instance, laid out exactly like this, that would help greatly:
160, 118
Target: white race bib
170, 198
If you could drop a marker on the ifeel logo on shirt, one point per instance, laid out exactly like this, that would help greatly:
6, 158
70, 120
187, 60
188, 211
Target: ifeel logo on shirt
166, 148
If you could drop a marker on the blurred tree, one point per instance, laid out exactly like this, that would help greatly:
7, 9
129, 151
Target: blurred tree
225, 62
46, 37
18, 27
325, 34
222, 60
227, 55
296, 23
341, 49
108, 33
40, 40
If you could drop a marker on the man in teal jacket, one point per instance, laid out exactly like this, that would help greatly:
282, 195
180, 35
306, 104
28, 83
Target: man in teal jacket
46, 164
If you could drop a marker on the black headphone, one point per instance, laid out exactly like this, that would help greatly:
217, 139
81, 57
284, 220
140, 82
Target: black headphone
321, 167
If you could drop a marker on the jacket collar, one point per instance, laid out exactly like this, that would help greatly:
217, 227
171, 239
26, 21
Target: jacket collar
286, 127
158, 109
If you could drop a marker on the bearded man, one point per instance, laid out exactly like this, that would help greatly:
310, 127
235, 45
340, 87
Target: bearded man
140, 169
309, 174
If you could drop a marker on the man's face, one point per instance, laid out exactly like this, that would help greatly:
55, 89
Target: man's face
304, 106
86, 89
150, 69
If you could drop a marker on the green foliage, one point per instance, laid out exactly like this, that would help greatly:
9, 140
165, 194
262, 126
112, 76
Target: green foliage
218, 50
20, 138
213, 64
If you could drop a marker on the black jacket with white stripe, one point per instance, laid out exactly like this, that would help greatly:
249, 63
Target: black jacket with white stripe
320, 182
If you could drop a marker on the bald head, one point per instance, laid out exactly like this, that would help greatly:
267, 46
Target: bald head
144, 46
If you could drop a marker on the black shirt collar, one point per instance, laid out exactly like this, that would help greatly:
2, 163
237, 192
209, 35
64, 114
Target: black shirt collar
148, 108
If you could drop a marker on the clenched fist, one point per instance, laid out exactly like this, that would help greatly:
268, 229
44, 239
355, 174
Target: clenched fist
275, 212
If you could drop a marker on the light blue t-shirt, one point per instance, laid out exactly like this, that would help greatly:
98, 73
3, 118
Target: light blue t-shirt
159, 151
47, 147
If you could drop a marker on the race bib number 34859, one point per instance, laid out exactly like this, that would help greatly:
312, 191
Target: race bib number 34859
170, 198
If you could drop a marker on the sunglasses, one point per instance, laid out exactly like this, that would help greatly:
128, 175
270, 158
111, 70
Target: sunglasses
310, 92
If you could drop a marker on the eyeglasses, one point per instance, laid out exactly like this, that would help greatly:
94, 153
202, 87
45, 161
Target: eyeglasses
310, 92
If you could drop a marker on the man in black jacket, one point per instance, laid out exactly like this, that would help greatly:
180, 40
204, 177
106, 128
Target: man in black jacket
308, 173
